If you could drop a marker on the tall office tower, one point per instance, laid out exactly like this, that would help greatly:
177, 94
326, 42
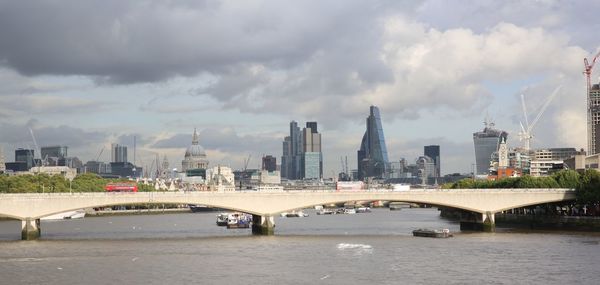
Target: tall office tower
312, 157
269, 163
486, 143
433, 152
118, 153
2, 165
54, 155
593, 118
372, 156
291, 160
25, 155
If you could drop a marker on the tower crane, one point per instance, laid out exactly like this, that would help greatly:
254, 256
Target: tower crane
525, 133
100, 153
588, 70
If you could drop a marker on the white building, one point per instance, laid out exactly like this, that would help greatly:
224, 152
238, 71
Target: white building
66, 172
220, 178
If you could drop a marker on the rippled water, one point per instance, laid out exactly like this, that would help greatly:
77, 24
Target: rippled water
372, 248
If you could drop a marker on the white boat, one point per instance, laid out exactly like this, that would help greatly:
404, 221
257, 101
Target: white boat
294, 214
77, 214
363, 210
349, 211
325, 212
222, 219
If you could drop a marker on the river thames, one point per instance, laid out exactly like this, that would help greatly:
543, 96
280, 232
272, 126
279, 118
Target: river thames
369, 248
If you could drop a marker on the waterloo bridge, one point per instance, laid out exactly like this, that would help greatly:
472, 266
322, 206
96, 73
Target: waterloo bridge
264, 206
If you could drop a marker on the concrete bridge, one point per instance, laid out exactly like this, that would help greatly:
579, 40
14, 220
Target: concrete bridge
29, 208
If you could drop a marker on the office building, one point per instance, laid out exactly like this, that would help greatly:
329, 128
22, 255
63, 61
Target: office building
486, 143
433, 152
25, 155
269, 163
593, 119
372, 156
54, 155
302, 157
118, 153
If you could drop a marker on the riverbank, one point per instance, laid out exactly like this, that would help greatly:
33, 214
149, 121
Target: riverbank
537, 222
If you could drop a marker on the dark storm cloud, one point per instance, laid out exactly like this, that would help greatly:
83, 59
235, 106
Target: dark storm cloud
145, 41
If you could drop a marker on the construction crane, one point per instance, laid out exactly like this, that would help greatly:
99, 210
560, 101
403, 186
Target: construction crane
36, 148
525, 133
246, 161
588, 70
100, 153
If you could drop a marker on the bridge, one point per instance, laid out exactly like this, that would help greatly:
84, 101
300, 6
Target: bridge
484, 203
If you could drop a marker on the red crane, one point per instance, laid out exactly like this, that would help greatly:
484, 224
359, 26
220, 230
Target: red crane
588, 70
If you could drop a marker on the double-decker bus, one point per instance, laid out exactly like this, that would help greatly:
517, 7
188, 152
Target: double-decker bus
121, 187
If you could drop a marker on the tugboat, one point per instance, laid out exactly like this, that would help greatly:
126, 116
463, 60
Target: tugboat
445, 233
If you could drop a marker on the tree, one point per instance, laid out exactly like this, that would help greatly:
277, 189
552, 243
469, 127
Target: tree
567, 179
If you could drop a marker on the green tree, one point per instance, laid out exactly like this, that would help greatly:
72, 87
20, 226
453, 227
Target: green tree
567, 179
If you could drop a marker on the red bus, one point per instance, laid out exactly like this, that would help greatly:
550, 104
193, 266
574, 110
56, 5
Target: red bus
121, 187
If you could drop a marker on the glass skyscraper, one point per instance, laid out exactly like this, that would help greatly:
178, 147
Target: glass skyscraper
302, 157
486, 143
433, 152
372, 156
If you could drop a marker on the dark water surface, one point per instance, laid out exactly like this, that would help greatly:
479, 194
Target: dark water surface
371, 248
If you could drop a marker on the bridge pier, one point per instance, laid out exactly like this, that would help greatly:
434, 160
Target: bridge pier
263, 225
483, 222
30, 229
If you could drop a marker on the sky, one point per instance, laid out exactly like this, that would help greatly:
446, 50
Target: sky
90, 73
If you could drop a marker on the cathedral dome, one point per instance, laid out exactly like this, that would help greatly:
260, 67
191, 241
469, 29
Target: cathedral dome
195, 156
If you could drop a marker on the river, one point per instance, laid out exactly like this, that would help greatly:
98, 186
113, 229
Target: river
369, 248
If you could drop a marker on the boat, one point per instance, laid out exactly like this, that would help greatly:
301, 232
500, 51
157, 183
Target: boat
222, 219
238, 221
363, 210
325, 212
77, 214
349, 211
294, 214
445, 233
200, 208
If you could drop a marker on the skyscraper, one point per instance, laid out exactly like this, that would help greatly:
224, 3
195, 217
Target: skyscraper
593, 118
302, 157
372, 156
486, 143
433, 152
118, 153
312, 158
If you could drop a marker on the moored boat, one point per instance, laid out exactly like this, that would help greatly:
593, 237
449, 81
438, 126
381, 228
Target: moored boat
325, 212
77, 214
445, 233
294, 214
222, 219
238, 221
363, 210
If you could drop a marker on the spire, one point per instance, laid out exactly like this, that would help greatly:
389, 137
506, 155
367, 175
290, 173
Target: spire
195, 138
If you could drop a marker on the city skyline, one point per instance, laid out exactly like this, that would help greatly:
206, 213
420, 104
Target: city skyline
240, 76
